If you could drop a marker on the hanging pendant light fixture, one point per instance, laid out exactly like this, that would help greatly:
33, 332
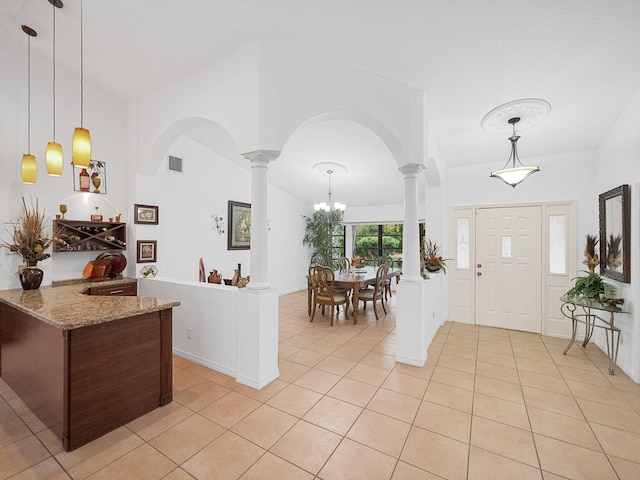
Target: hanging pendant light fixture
53, 153
330, 168
29, 168
516, 174
81, 144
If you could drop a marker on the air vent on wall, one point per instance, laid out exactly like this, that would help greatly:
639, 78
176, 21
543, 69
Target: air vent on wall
175, 164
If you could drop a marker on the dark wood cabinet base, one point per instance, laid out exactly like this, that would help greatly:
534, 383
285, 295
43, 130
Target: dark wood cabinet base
85, 382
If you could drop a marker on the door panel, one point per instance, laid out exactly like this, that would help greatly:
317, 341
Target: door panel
509, 268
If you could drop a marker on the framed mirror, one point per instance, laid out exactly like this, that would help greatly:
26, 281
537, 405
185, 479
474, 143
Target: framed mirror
615, 234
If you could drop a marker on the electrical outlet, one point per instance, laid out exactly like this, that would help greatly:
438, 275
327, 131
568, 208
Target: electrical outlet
188, 332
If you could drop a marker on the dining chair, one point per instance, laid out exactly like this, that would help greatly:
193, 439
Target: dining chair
344, 264
387, 283
322, 279
377, 292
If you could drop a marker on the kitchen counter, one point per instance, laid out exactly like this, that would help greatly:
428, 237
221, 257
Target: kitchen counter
84, 364
65, 306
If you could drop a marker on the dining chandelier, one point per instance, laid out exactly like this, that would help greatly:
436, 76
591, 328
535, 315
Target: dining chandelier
29, 168
515, 174
81, 143
329, 206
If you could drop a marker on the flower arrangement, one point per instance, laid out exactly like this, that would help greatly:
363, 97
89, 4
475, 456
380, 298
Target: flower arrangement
591, 259
431, 258
29, 239
358, 261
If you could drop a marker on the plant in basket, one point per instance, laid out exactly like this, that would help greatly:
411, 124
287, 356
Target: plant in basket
432, 261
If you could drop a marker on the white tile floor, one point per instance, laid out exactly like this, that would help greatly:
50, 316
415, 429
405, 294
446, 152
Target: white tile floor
488, 404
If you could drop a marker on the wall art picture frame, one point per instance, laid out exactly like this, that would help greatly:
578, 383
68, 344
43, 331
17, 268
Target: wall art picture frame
97, 171
615, 233
145, 214
239, 228
146, 251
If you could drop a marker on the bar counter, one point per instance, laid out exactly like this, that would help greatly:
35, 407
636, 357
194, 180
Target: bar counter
86, 364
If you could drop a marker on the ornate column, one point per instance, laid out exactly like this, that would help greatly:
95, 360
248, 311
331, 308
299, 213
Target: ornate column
259, 225
410, 235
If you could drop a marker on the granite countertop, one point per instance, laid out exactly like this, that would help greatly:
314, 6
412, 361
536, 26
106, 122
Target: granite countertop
64, 306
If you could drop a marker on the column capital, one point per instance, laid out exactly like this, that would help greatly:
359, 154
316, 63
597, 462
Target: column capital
411, 169
262, 155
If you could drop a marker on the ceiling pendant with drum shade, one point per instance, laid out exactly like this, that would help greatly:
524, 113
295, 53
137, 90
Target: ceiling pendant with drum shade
330, 168
81, 144
526, 113
53, 155
516, 174
29, 167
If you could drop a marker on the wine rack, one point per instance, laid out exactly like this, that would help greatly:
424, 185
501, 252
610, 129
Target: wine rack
85, 236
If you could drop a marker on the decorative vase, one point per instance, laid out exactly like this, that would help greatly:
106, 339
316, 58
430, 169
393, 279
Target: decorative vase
215, 277
234, 279
31, 278
433, 268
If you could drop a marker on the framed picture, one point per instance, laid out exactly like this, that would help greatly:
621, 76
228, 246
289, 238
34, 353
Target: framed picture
146, 251
92, 179
239, 231
145, 214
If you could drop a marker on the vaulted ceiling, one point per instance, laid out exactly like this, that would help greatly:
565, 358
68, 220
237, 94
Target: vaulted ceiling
583, 56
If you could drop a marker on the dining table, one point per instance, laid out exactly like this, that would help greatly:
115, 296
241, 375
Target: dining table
357, 278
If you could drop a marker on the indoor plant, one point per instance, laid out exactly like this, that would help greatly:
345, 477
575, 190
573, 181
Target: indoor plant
432, 261
30, 241
589, 287
318, 235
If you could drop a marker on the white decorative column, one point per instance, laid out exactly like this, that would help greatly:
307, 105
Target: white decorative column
412, 309
257, 318
258, 268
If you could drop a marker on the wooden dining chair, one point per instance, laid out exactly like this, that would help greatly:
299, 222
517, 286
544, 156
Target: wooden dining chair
387, 283
377, 292
322, 279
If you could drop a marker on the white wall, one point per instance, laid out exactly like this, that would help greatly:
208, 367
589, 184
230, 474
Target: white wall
104, 116
617, 164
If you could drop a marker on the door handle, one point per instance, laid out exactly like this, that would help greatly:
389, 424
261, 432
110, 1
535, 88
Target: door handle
479, 274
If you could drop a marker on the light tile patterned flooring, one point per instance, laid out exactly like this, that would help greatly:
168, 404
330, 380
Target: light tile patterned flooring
488, 404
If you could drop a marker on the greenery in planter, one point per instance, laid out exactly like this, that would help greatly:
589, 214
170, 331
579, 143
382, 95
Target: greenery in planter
318, 235
588, 287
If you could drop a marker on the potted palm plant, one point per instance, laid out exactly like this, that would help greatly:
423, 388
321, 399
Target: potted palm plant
30, 241
318, 235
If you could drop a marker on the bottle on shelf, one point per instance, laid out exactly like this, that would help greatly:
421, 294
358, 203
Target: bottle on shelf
96, 216
84, 180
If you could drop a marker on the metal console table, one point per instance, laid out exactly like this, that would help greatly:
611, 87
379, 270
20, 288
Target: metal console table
580, 311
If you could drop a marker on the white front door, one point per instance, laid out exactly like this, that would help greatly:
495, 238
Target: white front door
509, 268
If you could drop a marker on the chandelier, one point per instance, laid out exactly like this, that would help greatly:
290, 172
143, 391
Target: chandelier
525, 112
516, 174
329, 169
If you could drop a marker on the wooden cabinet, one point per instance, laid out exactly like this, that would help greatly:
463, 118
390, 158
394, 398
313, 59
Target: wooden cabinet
122, 289
82, 236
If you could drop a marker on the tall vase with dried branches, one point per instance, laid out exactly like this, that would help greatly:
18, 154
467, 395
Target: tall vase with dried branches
30, 241
591, 259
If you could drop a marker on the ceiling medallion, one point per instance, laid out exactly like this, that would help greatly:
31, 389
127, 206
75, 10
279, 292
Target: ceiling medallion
531, 111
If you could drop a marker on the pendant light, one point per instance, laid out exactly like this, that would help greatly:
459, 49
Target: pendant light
516, 174
81, 144
330, 168
29, 168
53, 154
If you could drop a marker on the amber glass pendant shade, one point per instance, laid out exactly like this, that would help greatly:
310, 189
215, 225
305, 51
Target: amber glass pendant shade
53, 158
29, 168
81, 147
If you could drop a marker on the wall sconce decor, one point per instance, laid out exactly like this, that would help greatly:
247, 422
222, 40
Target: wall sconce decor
219, 223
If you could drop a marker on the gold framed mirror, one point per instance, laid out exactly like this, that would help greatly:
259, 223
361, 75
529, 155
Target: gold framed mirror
615, 234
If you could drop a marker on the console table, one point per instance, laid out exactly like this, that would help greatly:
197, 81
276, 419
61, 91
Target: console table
587, 312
